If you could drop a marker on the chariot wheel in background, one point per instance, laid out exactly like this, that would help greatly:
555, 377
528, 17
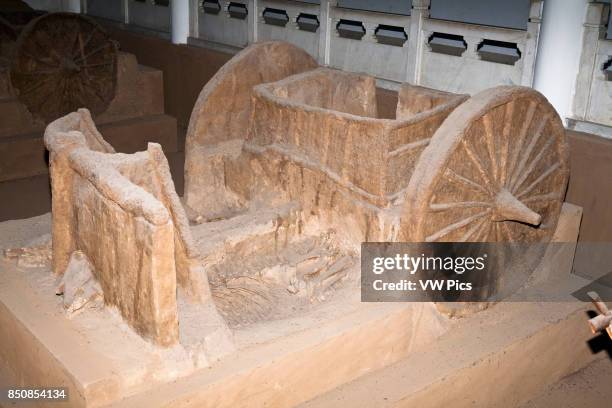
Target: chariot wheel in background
64, 62
496, 170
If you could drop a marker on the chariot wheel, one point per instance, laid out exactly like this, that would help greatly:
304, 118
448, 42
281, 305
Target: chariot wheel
64, 62
495, 171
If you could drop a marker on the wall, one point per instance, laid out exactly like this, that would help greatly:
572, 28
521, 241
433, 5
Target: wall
591, 184
357, 40
592, 105
149, 16
49, 5
186, 68
55, 5
591, 187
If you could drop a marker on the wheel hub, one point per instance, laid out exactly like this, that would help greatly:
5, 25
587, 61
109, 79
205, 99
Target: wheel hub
510, 208
69, 66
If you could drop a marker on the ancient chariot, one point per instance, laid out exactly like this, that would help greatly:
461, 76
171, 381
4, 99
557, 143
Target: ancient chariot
289, 168
441, 167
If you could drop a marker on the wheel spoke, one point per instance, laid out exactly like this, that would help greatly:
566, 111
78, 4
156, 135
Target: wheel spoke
519, 170
93, 91
478, 165
41, 72
490, 143
37, 59
461, 204
542, 197
450, 174
74, 43
518, 146
40, 41
483, 231
496, 229
36, 85
490, 231
476, 229
99, 64
505, 142
42, 98
83, 45
539, 179
527, 172
90, 53
455, 226
62, 93
505, 228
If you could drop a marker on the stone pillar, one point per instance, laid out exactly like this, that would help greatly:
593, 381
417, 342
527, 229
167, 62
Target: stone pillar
325, 32
252, 20
593, 29
126, 12
420, 11
531, 43
180, 21
559, 52
194, 18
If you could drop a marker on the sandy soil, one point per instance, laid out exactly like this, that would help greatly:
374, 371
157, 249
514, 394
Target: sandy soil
588, 388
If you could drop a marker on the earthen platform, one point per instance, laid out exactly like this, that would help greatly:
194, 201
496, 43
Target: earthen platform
382, 353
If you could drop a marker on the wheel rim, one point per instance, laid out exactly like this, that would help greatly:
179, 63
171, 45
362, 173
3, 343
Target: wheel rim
495, 171
64, 62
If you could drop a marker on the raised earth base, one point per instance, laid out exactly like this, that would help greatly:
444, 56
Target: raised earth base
336, 353
501, 358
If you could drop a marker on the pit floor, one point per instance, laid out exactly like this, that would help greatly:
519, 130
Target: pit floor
587, 388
